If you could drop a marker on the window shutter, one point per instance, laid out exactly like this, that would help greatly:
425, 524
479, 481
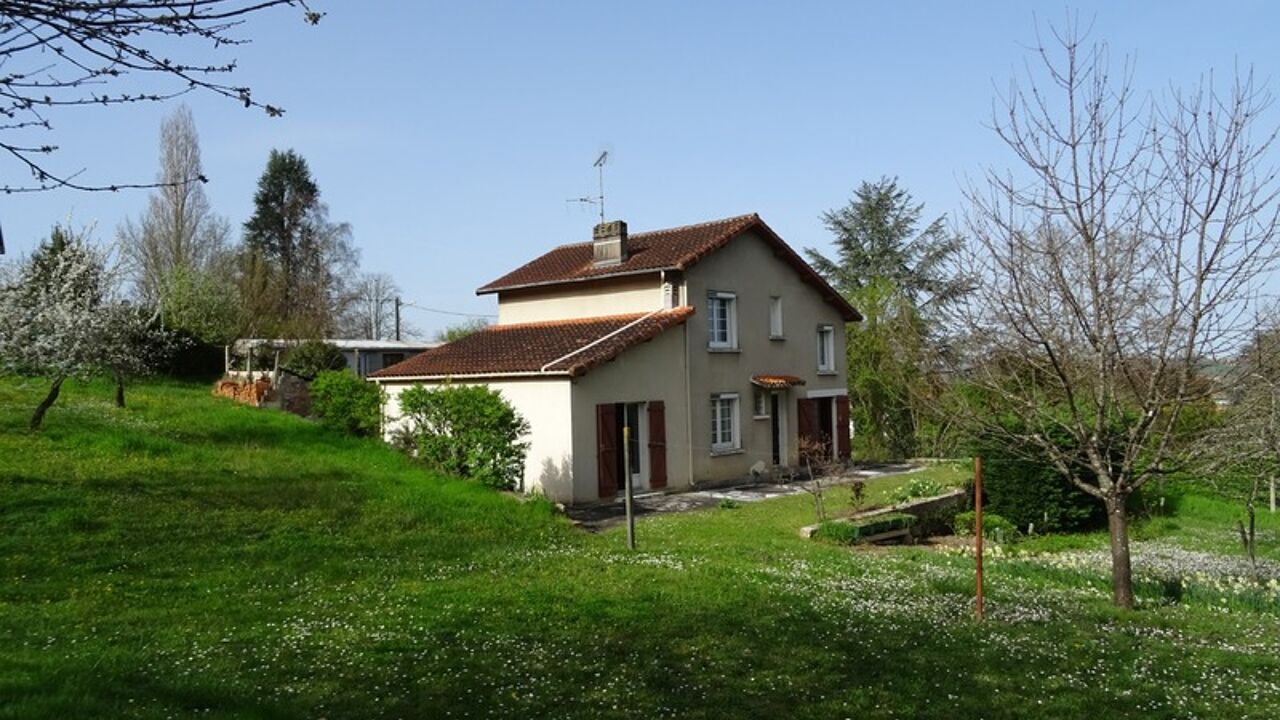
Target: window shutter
807, 419
607, 450
657, 444
842, 426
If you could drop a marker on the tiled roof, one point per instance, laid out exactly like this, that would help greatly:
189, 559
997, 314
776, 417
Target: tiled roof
776, 381
560, 347
648, 252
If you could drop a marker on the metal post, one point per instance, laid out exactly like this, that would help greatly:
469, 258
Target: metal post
628, 495
977, 528
397, 318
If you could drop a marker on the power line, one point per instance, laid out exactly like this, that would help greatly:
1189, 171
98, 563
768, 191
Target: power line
415, 306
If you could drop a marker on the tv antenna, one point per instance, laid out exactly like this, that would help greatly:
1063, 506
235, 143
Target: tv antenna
598, 200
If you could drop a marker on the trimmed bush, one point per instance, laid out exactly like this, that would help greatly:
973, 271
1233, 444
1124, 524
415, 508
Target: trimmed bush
991, 525
346, 403
313, 357
856, 531
466, 431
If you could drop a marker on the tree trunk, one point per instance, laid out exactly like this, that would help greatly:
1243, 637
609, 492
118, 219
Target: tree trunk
119, 390
1121, 568
38, 418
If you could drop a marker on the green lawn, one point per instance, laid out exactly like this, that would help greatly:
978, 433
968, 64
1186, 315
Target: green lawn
190, 557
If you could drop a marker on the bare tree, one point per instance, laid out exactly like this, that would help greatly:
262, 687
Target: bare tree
179, 232
108, 52
1248, 438
461, 329
1122, 254
371, 312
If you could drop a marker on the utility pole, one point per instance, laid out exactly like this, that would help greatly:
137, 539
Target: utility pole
628, 495
977, 527
397, 318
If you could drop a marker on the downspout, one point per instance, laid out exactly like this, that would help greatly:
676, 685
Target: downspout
688, 405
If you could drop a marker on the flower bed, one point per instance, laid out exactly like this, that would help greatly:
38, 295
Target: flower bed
866, 529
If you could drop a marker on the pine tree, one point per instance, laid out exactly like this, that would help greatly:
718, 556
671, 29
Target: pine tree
299, 260
898, 277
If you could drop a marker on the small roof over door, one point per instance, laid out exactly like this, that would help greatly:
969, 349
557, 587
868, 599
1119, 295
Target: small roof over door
775, 382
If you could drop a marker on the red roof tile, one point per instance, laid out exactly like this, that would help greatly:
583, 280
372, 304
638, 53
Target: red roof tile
562, 347
648, 252
776, 381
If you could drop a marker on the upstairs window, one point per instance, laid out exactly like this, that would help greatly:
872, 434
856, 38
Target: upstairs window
775, 318
725, 435
826, 348
722, 320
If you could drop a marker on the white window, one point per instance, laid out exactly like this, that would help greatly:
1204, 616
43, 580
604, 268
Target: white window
826, 348
725, 434
722, 320
761, 403
775, 317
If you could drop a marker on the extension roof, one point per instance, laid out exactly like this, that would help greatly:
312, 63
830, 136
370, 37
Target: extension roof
560, 347
650, 252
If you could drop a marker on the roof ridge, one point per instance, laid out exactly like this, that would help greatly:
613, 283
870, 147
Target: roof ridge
676, 228
706, 223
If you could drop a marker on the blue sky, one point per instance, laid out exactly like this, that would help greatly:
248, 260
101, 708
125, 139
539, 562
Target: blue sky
450, 135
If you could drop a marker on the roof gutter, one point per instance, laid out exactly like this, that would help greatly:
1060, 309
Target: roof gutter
599, 340
488, 290
486, 376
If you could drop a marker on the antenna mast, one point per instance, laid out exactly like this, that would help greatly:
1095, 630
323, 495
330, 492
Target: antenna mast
598, 200
599, 164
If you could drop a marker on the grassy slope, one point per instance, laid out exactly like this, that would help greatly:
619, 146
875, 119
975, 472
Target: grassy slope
189, 556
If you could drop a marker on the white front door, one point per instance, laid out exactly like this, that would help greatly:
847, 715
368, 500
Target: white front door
636, 419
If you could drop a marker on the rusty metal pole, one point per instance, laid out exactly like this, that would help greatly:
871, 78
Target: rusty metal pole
977, 528
629, 494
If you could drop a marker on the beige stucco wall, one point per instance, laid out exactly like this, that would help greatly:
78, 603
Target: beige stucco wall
618, 297
748, 267
545, 404
650, 371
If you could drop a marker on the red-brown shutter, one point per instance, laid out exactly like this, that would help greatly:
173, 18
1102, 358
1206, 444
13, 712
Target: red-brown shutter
657, 444
607, 450
807, 414
842, 426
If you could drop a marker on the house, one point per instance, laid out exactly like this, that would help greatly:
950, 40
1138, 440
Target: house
715, 344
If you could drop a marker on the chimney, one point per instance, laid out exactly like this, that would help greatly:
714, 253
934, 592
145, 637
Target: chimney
609, 243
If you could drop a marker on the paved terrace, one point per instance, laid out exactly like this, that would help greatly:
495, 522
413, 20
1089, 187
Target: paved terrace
595, 518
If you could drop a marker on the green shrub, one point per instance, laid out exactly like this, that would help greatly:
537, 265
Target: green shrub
1021, 484
313, 357
347, 403
917, 487
467, 431
849, 533
992, 525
